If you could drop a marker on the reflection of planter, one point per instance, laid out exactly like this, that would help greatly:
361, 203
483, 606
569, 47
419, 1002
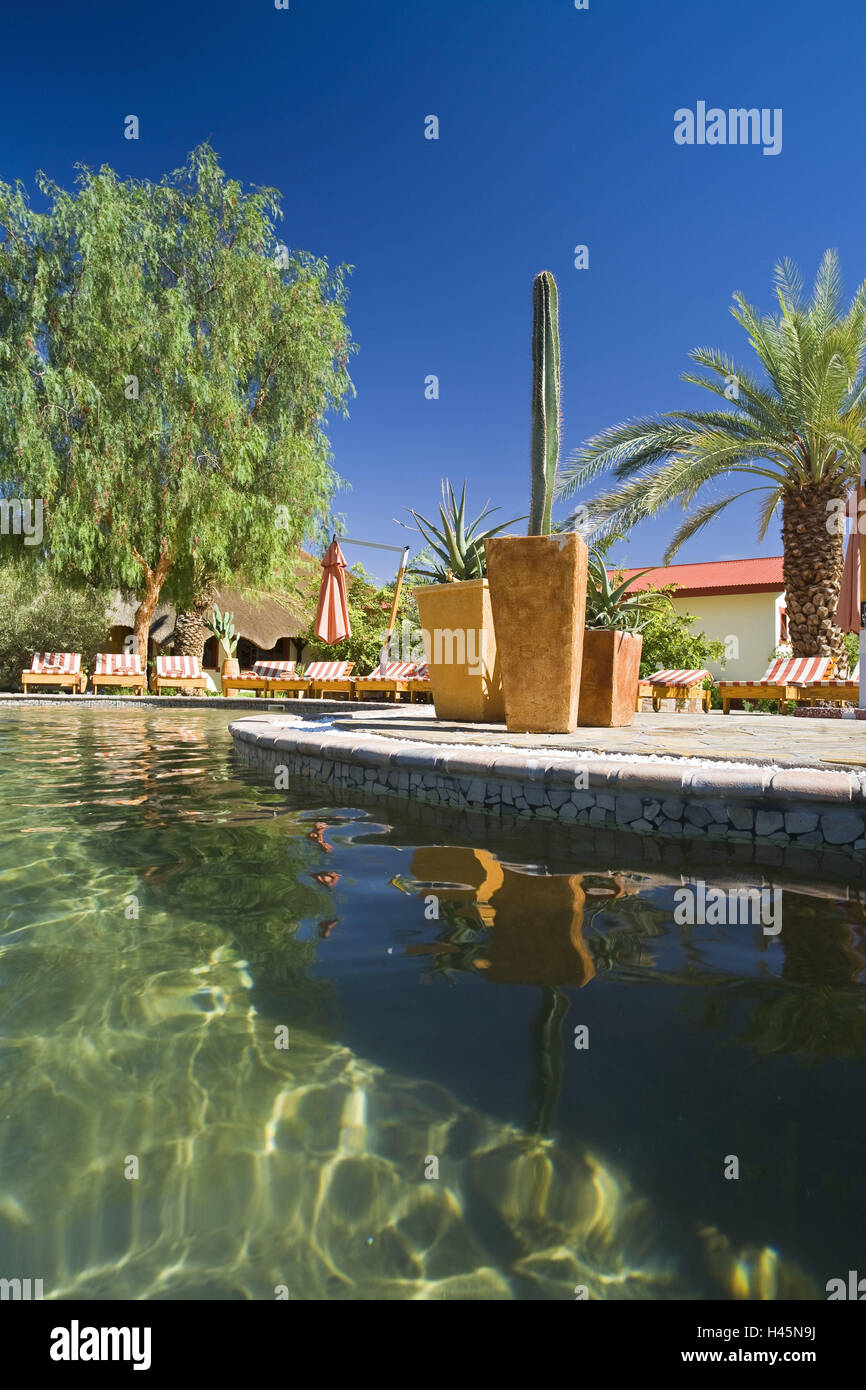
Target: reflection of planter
460, 650
609, 683
231, 667
476, 870
538, 595
537, 936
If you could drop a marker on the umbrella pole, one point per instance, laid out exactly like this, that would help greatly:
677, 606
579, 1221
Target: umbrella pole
861, 530
393, 618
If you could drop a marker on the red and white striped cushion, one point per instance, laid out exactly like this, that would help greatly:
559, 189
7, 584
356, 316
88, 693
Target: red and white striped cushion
394, 671
677, 676
327, 671
801, 670
118, 664
274, 670
798, 670
178, 667
55, 663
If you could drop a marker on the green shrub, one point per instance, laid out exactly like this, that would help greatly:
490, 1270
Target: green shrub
669, 641
39, 615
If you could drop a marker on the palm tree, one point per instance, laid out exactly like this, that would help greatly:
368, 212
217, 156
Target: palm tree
794, 431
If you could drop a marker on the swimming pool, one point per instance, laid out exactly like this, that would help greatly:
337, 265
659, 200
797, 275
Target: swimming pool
256, 1045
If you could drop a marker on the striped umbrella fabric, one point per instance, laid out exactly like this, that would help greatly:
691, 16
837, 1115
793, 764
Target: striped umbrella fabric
328, 671
679, 676
56, 663
118, 664
332, 614
422, 672
178, 667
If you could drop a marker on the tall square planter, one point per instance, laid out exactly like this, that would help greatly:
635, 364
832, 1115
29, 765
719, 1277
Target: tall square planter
538, 596
611, 673
461, 651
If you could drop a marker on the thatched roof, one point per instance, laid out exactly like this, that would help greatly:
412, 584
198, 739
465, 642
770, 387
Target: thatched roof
263, 619
259, 617
121, 613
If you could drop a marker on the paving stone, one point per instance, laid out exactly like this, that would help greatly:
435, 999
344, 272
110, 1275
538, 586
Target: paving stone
698, 815
670, 827
842, 827
628, 808
800, 822
768, 822
672, 808
742, 818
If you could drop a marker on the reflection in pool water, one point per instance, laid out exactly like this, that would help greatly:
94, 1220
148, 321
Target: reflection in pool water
578, 1065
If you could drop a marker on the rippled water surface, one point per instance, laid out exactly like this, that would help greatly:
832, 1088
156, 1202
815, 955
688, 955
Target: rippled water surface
285, 1015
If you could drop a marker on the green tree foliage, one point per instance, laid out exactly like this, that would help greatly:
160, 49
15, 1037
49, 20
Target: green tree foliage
166, 368
369, 611
792, 431
40, 614
670, 641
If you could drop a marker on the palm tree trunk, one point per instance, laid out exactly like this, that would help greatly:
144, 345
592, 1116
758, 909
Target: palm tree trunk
814, 558
190, 629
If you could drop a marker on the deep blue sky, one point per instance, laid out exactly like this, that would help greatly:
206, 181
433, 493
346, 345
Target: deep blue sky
556, 129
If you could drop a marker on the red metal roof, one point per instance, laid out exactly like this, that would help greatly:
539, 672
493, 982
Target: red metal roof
762, 575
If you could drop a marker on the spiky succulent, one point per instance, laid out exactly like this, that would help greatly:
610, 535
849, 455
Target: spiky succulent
610, 605
455, 548
222, 625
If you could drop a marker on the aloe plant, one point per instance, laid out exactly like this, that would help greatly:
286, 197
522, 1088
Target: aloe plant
222, 625
610, 605
455, 549
546, 408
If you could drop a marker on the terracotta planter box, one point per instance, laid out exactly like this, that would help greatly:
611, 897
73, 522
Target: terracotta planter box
461, 651
538, 595
611, 670
230, 667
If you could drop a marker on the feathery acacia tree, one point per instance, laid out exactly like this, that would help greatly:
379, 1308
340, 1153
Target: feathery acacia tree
166, 367
794, 432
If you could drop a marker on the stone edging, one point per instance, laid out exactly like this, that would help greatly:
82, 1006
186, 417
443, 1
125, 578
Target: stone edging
786, 807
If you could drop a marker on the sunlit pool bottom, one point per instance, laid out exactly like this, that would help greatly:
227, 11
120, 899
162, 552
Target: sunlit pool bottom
254, 1045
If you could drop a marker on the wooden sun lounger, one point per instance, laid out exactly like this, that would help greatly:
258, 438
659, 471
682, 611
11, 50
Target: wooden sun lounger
57, 669
833, 692
395, 681
328, 678
179, 673
420, 683
783, 681
119, 669
683, 683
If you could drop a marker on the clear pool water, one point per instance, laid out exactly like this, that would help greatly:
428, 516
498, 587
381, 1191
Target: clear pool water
254, 1044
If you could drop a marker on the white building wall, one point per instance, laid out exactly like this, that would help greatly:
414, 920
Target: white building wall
747, 623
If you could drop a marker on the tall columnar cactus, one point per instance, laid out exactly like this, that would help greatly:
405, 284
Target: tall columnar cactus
545, 401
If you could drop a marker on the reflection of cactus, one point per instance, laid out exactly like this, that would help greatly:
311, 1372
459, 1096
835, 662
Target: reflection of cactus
545, 401
222, 625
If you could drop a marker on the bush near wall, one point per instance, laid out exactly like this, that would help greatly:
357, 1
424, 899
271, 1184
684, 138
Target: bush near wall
38, 615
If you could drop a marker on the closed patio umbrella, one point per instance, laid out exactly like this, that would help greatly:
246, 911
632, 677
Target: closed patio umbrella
332, 614
848, 610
